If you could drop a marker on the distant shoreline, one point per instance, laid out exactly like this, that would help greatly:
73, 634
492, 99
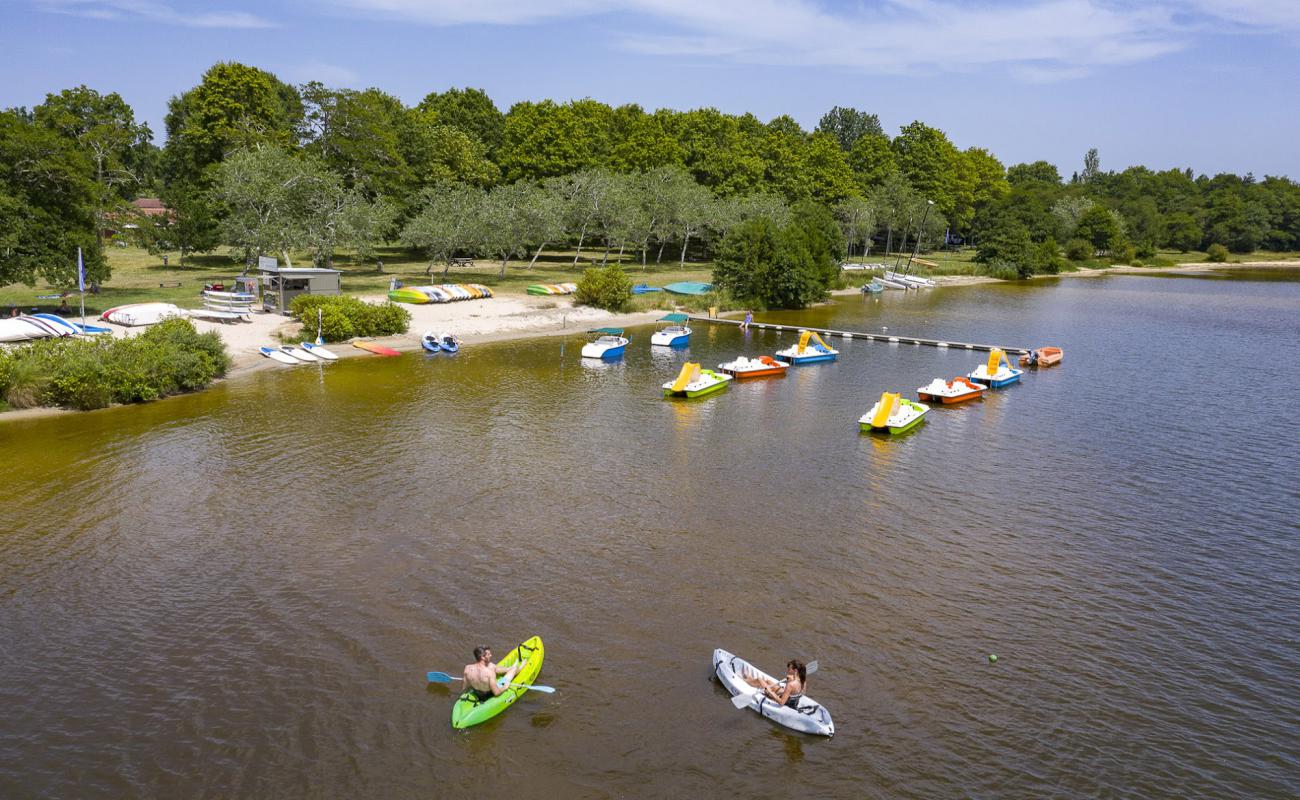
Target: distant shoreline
519, 318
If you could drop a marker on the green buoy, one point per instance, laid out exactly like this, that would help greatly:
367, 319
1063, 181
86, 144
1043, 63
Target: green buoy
993, 658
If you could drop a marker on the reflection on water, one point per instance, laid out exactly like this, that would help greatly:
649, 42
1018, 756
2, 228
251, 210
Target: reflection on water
238, 593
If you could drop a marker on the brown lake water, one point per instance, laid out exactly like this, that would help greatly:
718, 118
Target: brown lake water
237, 593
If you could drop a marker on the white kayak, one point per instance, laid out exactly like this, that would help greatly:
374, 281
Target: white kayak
809, 717
298, 353
320, 352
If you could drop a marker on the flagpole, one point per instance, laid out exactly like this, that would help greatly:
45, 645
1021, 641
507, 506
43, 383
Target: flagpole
81, 286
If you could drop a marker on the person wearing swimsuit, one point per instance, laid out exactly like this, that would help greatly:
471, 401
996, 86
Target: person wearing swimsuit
787, 692
481, 676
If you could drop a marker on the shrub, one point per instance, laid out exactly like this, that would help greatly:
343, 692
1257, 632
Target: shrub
1123, 253
609, 288
1216, 253
1146, 250
169, 358
1079, 250
1003, 270
343, 317
1047, 257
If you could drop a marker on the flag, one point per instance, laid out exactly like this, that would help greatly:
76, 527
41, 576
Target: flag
81, 273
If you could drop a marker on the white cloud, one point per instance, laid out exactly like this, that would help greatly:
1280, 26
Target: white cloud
149, 11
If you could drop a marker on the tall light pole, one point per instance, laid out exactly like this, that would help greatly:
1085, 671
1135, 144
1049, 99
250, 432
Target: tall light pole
917, 248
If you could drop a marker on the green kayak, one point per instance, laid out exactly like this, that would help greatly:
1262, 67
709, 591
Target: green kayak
469, 710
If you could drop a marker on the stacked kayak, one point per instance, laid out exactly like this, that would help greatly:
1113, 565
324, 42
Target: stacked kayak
441, 293
469, 710
543, 289
809, 716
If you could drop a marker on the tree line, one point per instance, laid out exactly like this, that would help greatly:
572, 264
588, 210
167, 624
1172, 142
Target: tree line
262, 166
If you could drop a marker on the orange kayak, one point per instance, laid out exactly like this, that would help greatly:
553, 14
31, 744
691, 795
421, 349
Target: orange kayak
377, 349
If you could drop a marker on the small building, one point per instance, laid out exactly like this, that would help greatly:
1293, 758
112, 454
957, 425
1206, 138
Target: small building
280, 285
151, 207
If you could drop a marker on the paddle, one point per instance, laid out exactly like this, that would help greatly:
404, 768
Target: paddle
442, 677
742, 700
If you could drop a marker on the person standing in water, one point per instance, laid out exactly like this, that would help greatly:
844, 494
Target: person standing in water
788, 692
749, 317
481, 676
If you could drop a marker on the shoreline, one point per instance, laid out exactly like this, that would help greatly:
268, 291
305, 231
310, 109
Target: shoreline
507, 318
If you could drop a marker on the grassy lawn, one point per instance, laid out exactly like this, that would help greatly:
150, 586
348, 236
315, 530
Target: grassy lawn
137, 276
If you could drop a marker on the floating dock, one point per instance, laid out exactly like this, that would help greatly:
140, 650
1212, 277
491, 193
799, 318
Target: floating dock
871, 337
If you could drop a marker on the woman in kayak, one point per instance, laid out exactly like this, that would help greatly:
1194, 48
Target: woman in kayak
788, 692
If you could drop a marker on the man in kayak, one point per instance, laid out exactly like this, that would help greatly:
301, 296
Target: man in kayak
481, 676
789, 694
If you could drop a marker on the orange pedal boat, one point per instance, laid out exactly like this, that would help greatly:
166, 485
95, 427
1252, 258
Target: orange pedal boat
957, 390
1042, 357
763, 366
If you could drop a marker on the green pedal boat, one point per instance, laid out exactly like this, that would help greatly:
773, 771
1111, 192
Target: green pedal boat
470, 711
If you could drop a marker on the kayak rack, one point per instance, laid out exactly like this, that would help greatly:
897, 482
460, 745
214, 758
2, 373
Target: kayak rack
871, 337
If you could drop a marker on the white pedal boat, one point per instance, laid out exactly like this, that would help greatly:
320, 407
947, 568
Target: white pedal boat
810, 717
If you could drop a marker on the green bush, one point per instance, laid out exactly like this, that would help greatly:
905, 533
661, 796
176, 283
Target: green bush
1123, 253
609, 288
1003, 270
1216, 253
1146, 250
1047, 257
343, 317
169, 358
1079, 250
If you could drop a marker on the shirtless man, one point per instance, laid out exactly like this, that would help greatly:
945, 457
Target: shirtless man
481, 676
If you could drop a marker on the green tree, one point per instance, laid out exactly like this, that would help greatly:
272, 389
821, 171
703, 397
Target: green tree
233, 107
857, 218
934, 168
848, 125
267, 195
722, 157
1101, 227
446, 223
103, 127
1037, 174
638, 141
471, 111
872, 161
48, 204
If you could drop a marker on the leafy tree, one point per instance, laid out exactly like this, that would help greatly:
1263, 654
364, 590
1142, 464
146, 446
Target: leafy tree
542, 140
1007, 240
1035, 175
1100, 226
234, 106
447, 222
104, 128
934, 167
267, 195
48, 205
857, 218
1068, 211
720, 154
471, 111
848, 125
359, 135
744, 256
787, 267
639, 142
502, 224
988, 183
1091, 167
1079, 250
872, 160
1047, 257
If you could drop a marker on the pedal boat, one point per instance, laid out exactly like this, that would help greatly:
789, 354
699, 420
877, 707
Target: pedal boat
761, 367
810, 349
957, 390
997, 373
1042, 357
695, 382
893, 413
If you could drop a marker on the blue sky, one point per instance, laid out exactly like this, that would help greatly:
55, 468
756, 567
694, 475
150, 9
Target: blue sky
1209, 84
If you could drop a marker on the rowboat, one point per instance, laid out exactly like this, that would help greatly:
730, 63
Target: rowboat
810, 349
893, 413
957, 390
675, 335
807, 715
377, 349
997, 373
761, 367
609, 344
695, 382
469, 710
1042, 357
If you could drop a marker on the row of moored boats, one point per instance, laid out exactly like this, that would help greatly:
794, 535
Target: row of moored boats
441, 293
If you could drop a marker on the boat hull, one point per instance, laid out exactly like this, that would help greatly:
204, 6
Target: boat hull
893, 430
949, 401
603, 353
766, 372
995, 383
813, 359
678, 340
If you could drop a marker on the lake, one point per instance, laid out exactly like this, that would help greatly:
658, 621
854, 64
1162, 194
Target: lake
238, 593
